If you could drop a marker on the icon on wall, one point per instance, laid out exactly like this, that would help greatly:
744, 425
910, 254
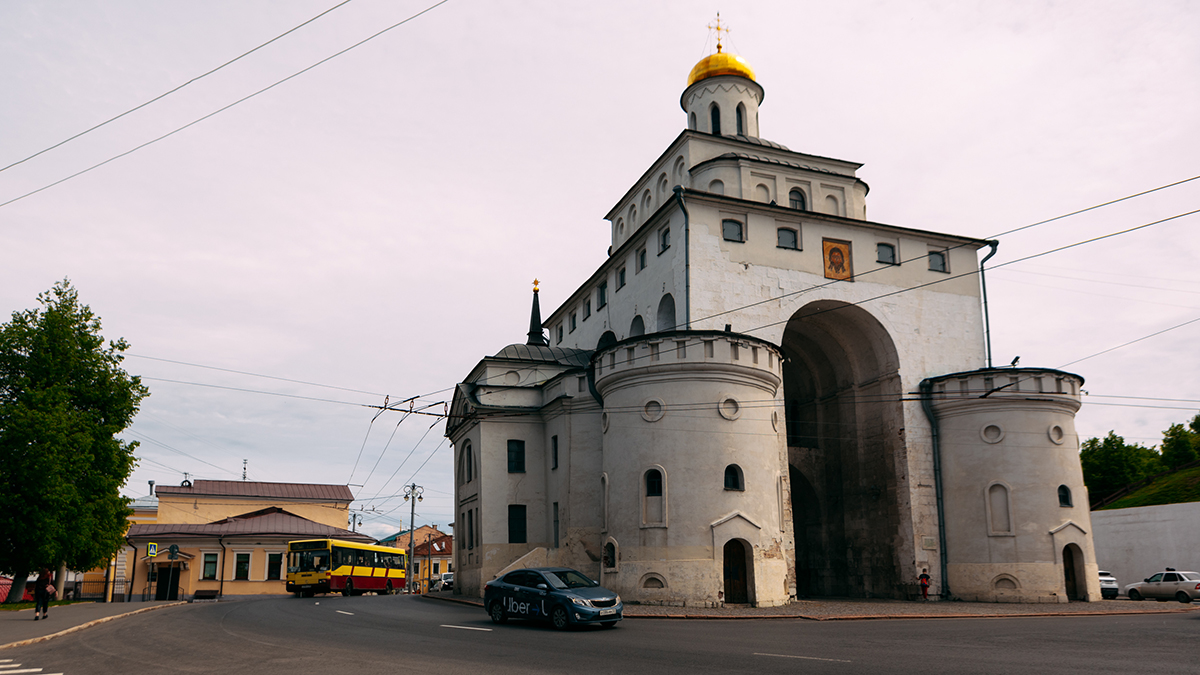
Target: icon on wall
837, 260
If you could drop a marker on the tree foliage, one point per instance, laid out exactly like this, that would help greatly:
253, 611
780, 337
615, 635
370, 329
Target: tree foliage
1181, 444
63, 399
1110, 464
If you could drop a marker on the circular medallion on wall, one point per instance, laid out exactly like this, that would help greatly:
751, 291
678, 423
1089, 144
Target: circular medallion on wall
604, 421
991, 433
1056, 434
512, 378
652, 410
729, 408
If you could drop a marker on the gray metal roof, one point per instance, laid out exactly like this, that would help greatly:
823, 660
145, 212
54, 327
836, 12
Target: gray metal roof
545, 354
241, 488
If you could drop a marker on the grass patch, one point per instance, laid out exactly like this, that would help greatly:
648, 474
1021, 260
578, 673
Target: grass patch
16, 606
1176, 488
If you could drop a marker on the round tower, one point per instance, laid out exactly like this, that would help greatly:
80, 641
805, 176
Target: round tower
694, 470
1017, 524
722, 96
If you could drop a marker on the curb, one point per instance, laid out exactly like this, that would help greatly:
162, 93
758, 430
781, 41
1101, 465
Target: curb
89, 624
852, 617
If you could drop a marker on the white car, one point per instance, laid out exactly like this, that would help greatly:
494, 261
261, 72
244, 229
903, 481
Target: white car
1169, 585
1108, 585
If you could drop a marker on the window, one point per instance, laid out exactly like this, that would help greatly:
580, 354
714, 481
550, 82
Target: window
573, 322
587, 309
1064, 496
741, 128
999, 509
937, 261
641, 259
555, 524
554, 452
610, 555
469, 461
274, 566
787, 238
692, 121
796, 200
437, 568
732, 230
210, 566
654, 483
715, 117
516, 524
470, 529
560, 333
516, 456
886, 254
654, 507
602, 294
733, 478
664, 240
620, 278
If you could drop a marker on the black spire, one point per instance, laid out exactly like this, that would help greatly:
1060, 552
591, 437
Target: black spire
535, 321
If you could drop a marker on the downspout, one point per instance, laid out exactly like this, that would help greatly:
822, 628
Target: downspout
987, 323
927, 406
221, 567
687, 261
132, 577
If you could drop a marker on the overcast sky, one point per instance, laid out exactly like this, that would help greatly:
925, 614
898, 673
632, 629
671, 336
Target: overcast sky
375, 223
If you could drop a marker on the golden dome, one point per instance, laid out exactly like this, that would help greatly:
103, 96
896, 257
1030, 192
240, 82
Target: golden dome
720, 64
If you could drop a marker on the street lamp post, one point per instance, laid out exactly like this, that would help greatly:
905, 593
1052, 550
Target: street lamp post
412, 495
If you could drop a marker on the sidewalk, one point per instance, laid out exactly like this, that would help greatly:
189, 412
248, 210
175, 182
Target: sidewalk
835, 609
18, 628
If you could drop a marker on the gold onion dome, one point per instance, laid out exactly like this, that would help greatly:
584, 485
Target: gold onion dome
720, 64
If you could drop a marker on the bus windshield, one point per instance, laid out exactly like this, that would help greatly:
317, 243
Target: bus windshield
309, 561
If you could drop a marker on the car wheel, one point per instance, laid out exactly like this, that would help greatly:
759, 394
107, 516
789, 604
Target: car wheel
497, 612
1183, 597
559, 617
1134, 595
609, 624
349, 589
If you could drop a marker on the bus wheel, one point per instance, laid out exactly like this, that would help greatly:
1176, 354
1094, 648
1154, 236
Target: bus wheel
349, 589
390, 590
306, 594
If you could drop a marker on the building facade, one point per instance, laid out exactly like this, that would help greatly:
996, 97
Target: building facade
755, 397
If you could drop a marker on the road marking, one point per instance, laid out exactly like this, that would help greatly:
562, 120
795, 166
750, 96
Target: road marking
446, 625
25, 670
341, 612
806, 658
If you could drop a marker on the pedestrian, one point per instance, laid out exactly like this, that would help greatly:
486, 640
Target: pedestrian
924, 579
43, 588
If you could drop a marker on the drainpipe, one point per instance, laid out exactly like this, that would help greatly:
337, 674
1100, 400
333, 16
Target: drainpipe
221, 568
687, 261
987, 323
927, 406
132, 577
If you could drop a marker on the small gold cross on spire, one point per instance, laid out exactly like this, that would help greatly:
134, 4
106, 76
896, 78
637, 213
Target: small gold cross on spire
719, 30
535, 285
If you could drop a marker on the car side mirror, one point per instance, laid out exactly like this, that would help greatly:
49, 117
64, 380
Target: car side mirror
1146, 580
542, 587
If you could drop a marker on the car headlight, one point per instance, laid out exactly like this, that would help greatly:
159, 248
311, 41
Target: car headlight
618, 599
582, 602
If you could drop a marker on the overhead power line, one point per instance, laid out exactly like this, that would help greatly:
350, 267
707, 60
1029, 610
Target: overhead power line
223, 109
172, 91
243, 372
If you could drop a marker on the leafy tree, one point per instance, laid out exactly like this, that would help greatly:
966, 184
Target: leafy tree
1180, 444
63, 399
1110, 464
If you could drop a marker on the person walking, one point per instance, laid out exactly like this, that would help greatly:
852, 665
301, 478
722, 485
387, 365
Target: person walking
42, 590
924, 579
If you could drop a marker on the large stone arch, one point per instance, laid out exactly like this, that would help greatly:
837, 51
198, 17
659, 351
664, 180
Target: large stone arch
845, 424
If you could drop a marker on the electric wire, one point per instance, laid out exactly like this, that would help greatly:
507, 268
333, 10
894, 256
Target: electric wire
172, 91
243, 372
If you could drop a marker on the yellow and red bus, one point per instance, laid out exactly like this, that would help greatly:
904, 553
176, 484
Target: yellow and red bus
346, 567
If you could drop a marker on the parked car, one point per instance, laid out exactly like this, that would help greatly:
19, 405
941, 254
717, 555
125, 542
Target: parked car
1167, 585
560, 595
1108, 585
446, 583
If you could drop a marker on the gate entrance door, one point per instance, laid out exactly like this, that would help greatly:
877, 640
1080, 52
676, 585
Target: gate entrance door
168, 583
735, 573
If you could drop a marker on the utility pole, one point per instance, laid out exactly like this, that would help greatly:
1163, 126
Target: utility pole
412, 494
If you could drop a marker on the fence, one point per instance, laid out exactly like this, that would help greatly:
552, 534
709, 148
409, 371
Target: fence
97, 591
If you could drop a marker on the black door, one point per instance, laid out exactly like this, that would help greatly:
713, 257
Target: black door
735, 573
168, 583
1069, 573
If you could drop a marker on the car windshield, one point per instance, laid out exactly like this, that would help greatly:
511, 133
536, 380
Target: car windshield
569, 579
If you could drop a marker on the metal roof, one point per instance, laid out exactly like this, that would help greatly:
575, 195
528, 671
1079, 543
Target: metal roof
266, 523
241, 488
546, 354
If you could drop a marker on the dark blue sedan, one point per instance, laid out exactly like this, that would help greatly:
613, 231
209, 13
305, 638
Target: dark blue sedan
560, 595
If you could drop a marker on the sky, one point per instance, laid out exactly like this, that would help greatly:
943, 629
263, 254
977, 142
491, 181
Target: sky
371, 227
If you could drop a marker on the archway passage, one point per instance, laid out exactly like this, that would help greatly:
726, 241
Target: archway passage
1072, 557
737, 576
845, 424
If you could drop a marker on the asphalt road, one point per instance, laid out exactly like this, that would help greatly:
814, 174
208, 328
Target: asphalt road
386, 634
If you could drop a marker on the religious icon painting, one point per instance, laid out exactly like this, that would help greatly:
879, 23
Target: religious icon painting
837, 259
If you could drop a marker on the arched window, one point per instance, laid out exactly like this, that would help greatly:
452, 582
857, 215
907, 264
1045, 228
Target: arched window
637, 327
470, 462
692, 121
654, 497
733, 478
741, 125
610, 555
654, 483
999, 510
937, 261
786, 237
796, 200
716, 187
666, 313
885, 253
715, 114
1064, 496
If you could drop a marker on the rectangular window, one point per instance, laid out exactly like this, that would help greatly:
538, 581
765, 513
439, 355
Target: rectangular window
516, 524
210, 566
470, 530
560, 333
573, 322
437, 568
274, 566
516, 456
937, 261
587, 309
620, 278
417, 568
241, 568
664, 240
641, 259
602, 295
885, 253
554, 452
555, 524
787, 238
732, 230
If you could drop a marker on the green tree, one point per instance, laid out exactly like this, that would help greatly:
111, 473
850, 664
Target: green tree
1180, 444
63, 399
1110, 464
